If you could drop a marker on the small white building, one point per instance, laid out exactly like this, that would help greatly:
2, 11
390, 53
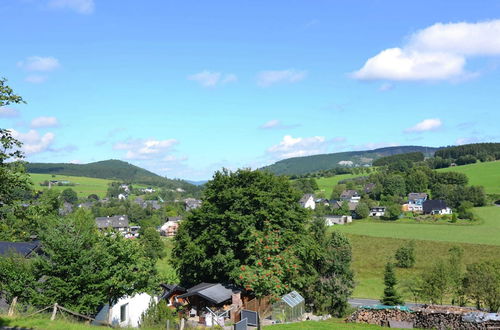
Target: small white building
122, 197
126, 312
307, 201
378, 211
331, 220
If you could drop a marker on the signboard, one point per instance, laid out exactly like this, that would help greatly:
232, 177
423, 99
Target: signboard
251, 316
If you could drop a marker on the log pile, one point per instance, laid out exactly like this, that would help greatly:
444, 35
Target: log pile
427, 317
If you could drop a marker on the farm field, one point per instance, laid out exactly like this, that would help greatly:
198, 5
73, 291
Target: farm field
84, 186
371, 253
483, 174
486, 230
326, 184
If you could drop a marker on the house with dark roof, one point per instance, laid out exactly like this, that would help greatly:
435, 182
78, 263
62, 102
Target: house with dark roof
350, 196
436, 206
117, 222
25, 249
307, 201
191, 204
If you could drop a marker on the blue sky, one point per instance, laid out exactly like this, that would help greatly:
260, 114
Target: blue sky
186, 87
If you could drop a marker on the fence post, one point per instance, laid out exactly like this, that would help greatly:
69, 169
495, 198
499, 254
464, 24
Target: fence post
54, 311
12, 307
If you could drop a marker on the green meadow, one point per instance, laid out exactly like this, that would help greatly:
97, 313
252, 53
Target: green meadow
326, 184
83, 186
485, 230
328, 324
482, 174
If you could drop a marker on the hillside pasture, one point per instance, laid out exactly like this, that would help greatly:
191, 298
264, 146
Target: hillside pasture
326, 185
485, 230
483, 174
83, 186
370, 255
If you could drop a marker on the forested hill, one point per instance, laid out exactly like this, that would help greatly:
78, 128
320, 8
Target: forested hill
109, 169
308, 164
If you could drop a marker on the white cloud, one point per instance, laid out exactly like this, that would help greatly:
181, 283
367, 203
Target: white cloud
145, 149
44, 122
296, 147
438, 52
39, 63
346, 163
268, 78
6, 112
75, 161
35, 79
211, 79
431, 124
276, 124
33, 142
80, 6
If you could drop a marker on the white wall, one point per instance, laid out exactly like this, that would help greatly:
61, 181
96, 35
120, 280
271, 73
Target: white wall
137, 305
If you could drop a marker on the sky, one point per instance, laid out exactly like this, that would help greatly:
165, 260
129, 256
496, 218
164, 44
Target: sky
184, 88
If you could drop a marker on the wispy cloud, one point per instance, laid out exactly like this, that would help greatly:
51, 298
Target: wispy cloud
7, 112
211, 79
271, 77
438, 52
276, 124
146, 149
295, 147
44, 122
39, 63
79, 6
425, 125
33, 141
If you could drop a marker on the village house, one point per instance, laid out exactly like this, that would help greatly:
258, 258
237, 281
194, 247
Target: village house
415, 202
436, 206
169, 228
307, 201
331, 220
117, 222
148, 190
350, 196
191, 204
126, 312
377, 211
25, 249
125, 188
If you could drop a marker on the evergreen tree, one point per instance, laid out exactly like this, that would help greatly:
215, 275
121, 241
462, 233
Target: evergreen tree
391, 296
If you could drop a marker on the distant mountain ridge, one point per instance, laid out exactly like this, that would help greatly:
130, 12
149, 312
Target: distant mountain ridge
112, 169
308, 164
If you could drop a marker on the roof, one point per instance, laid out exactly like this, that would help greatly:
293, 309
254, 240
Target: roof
215, 293
22, 248
349, 194
170, 289
352, 206
117, 221
292, 299
434, 204
305, 198
414, 196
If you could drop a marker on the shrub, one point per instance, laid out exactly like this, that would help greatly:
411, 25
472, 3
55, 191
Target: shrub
405, 256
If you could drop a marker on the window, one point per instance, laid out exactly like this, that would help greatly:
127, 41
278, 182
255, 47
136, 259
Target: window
123, 312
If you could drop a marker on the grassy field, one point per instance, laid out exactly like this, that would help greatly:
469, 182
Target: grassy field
371, 253
84, 186
486, 230
483, 174
326, 184
165, 269
328, 324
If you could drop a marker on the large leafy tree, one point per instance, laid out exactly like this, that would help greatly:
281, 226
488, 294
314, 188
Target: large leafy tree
84, 269
218, 238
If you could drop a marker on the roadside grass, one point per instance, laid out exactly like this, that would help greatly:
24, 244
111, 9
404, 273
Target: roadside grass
485, 230
328, 324
326, 184
83, 186
482, 174
370, 254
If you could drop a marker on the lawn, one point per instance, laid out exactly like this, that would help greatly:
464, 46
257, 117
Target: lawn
165, 269
371, 253
328, 324
326, 184
483, 174
486, 230
83, 186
